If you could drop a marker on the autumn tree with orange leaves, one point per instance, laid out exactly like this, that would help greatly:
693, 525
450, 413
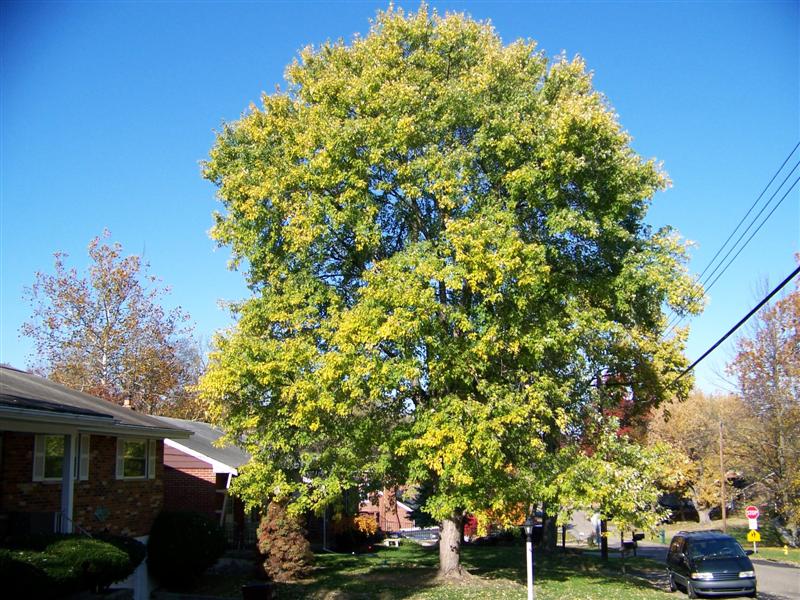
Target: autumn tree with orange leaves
106, 333
767, 368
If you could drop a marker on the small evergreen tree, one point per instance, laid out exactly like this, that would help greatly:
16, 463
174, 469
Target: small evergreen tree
282, 542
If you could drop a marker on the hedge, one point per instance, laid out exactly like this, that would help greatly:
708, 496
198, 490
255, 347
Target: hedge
53, 566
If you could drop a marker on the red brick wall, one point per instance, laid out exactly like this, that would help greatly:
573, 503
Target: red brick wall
130, 506
191, 489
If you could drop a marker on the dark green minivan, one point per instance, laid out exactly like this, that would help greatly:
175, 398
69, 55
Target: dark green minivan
709, 563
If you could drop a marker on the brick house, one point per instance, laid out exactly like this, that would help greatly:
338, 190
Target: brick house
389, 512
198, 475
73, 462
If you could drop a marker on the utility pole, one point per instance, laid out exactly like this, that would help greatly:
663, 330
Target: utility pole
722, 480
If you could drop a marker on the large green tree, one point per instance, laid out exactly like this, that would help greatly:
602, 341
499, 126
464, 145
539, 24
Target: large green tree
445, 244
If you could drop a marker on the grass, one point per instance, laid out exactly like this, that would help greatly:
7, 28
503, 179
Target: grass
409, 572
792, 556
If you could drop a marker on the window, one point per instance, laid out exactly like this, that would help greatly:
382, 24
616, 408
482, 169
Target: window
48, 458
136, 458
53, 456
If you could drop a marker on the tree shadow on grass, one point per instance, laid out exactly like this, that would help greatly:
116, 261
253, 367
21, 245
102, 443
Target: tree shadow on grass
508, 563
383, 575
391, 574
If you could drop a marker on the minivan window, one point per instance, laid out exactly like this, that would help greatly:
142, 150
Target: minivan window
715, 548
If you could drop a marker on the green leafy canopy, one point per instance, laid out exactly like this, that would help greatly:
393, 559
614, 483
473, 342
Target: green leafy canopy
445, 244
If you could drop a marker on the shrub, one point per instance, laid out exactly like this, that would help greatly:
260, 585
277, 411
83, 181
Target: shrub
181, 546
354, 533
282, 542
22, 578
97, 564
66, 564
135, 549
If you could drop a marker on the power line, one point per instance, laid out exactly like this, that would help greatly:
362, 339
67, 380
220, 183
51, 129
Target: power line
677, 318
763, 208
730, 332
755, 232
747, 241
741, 322
752, 206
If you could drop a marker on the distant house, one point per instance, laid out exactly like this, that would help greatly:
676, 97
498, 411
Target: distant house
390, 514
198, 475
73, 462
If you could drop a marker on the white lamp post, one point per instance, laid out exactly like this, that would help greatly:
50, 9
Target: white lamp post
528, 526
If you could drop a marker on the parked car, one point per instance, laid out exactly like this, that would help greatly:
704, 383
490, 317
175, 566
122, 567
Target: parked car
710, 563
429, 534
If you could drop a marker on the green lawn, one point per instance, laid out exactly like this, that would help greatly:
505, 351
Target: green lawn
792, 556
409, 572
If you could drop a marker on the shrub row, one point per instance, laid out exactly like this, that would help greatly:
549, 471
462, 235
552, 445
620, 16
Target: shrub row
52, 566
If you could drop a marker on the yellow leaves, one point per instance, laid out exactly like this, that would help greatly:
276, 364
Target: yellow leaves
444, 245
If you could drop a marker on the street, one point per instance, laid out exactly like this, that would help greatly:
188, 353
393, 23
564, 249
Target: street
776, 581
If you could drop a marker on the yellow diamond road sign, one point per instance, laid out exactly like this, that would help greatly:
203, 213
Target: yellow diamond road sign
753, 536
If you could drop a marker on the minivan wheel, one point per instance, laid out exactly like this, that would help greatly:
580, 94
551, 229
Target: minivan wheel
690, 591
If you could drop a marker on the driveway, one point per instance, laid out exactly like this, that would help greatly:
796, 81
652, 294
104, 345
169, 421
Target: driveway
776, 581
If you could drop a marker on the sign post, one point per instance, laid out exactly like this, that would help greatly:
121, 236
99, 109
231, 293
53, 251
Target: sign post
752, 512
754, 536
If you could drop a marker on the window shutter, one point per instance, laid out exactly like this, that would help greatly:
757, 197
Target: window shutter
38, 458
151, 459
84, 457
120, 455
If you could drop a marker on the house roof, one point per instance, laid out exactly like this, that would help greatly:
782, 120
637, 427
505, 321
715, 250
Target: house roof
202, 444
26, 397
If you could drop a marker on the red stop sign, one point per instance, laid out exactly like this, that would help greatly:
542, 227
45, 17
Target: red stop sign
751, 512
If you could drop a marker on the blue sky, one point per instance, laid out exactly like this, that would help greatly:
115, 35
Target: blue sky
106, 110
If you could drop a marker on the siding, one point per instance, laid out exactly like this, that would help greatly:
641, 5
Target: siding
180, 460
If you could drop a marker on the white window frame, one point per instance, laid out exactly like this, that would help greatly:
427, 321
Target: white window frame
150, 454
81, 457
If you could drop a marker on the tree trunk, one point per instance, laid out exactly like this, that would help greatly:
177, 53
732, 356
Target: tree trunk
704, 514
450, 548
604, 539
549, 533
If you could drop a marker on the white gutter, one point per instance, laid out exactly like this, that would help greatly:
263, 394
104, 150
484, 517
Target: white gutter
217, 466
